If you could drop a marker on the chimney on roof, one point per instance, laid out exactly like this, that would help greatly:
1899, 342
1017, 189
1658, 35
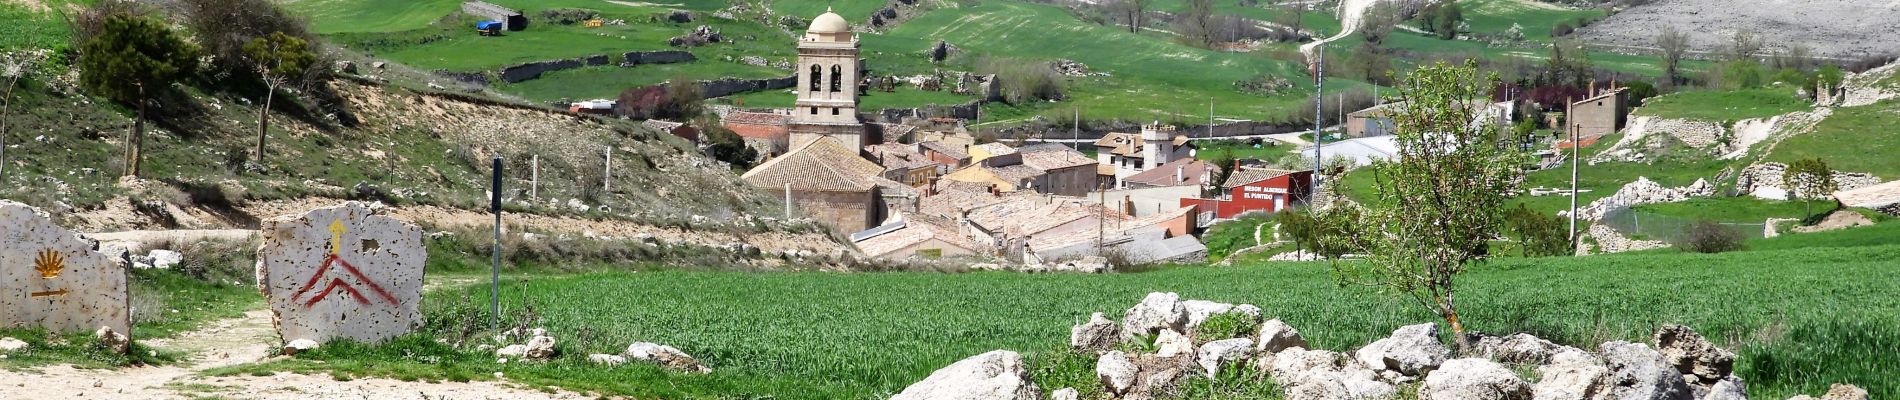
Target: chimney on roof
1593, 88
1128, 205
1180, 174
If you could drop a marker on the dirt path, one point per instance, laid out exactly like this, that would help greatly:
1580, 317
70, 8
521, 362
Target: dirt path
1350, 13
233, 342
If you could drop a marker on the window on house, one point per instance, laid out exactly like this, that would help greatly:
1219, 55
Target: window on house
814, 111
837, 78
817, 77
834, 111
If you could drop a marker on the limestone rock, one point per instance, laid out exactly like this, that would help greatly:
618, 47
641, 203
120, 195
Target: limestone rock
1198, 311
1276, 336
8, 344
1521, 348
342, 272
1638, 372
610, 360
1411, 351
1065, 394
1097, 335
299, 346
1155, 313
665, 356
165, 259
1116, 372
1844, 392
1173, 344
1323, 375
1730, 388
1693, 355
540, 347
1473, 379
1226, 351
52, 278
1571, 376
111, 339
998, 375
512, 351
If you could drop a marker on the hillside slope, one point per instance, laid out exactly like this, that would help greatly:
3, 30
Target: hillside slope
1832, 28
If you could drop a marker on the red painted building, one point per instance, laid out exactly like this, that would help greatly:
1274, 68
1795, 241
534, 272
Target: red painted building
1251, 190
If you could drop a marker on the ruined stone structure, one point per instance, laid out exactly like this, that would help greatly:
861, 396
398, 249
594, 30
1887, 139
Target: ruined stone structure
52, 278
341, 272
510, 19
1602, 114
828, 73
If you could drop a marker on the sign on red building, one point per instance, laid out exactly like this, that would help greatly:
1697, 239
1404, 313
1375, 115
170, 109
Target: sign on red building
1257, 190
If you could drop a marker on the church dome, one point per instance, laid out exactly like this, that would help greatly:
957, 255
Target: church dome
830, 22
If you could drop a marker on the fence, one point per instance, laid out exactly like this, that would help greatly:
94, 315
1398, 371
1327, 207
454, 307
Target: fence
1649, 226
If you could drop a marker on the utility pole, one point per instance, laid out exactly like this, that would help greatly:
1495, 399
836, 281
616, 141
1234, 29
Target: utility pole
1319, 96
788, 201
1210, 117
534, 178
494, 277
1575, 151
1101, 224
607, 175
1075, 131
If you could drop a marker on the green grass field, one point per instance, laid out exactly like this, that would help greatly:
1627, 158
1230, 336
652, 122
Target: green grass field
34, 28
1537, 18
1801, 319
607, 82
1736, 209
857, 12
1151, 74
1854, 139
1212, 150
1724, 106
339, 16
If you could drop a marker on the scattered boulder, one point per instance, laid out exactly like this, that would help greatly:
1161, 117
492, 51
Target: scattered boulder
1730, 388
1410, 351
1065, 394
1638, 372
996, 375
1520, 348
1324, 375
1845, 392
1693, 355
1086, 265
1173, 344
1069, 68
512, 351
1225, 351
1571, 376
680, 16
703, 35
299, 346
344, 67
1198, 311
540, 347
665, 356
165, 259
113, 340
1155, 313
1117, 372
610, 360
1097, 335
1473, 379
1277, 336
8, 344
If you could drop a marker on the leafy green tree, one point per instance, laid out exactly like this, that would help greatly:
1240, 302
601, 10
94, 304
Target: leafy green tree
725, 145
280, 59
1538, 234
1443, 20
131, 59
1809, 179
1441, 200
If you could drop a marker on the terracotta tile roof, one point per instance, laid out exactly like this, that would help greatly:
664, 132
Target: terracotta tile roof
1015, 174
1251, 175
894, 131
955, 197
945, 149
1191, 169
1121, 144
756, 118
1050, 157
994, 149
822, 165
1105, 170
917, 229
1030, 214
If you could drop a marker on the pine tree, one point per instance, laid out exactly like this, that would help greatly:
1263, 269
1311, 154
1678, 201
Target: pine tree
131, 59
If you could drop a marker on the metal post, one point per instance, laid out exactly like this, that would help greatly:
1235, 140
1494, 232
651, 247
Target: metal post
494, 277
607, 175
534, 178
788, 202
1575, 152
1319, 96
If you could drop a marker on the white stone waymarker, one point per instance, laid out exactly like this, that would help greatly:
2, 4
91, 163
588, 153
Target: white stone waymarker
341, 272
51, 278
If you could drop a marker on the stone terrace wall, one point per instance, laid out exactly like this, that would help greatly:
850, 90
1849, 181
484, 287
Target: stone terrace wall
530, 71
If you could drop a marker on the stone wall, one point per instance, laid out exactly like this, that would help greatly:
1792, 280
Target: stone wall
1610, 241
1763, 180
1642, 191
968, 110
52, 278
530, 71
844, 212
728, 87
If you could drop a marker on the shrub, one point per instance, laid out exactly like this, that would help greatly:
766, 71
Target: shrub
224, 27
1562, 29
1540, 235
1705, 236
1023, 81
568, 16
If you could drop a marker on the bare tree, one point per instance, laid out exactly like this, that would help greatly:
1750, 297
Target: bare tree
1131, 11
12, 67
1197, 22
1673, 43
1291, 16
1743, 46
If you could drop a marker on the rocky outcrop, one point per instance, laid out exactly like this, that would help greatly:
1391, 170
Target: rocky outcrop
996, 375
666, 356
1693, 355
1276, 336
1643, 191
1520, 348
1323, 375
1637, 372
1473, 379
1609, 241
1571, 376
1216, 354
1871, 87
1097, 335
1410, 351
1763, 180
1156, 312
1647, 135
1198, 311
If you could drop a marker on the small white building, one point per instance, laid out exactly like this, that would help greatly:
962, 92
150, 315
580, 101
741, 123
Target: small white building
1360, 151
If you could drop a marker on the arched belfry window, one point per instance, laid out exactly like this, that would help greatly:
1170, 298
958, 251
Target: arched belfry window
837, 78
817, 77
